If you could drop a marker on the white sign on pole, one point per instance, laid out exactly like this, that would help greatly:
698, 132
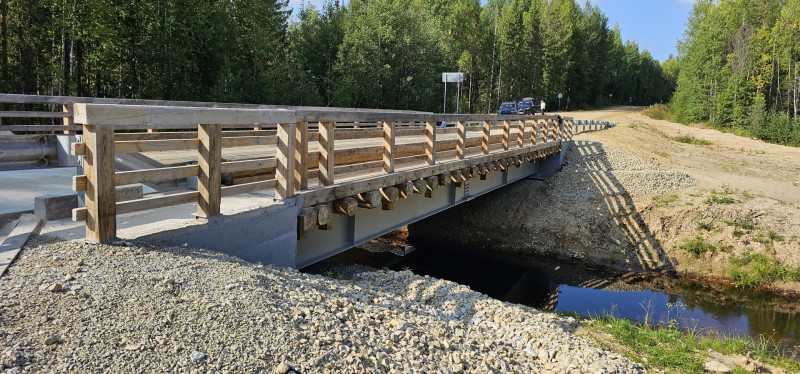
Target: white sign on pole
560, 95
452, 77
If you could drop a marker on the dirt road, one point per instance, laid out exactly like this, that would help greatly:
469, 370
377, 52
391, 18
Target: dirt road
648, 195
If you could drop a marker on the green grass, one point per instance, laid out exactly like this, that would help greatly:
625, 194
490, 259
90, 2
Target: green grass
657, 111
697, 246
705, 226
666, 348
688, 139
664, 201
722, 196
741, 223
775, 237
756, 269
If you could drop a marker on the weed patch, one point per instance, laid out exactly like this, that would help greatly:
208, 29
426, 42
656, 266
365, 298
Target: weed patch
697, 246
664, 201
705, 226
688, 139
755, 269
722, 196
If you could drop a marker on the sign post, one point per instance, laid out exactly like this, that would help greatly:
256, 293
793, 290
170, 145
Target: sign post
560, 95
452, 78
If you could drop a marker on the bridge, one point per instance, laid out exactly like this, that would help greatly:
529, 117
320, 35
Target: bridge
318, 180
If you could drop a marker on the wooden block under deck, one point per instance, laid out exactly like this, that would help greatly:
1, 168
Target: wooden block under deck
388, 196
466, 174
455, 176
346, 206
369, 199
444, 179
306, 221
419, 186
324, 221
406, 189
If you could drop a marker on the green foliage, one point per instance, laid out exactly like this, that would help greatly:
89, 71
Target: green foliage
740, 69
722, 196
668, 349
664, 201
705, 226
663, 347
657, 111
697, 246
379, 53
688, 139
755, 269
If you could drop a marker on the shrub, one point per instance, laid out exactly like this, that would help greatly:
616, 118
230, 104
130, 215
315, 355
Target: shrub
697, 246
657, 111
688, 139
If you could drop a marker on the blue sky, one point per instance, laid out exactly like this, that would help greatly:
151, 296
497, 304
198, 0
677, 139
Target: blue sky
656, 25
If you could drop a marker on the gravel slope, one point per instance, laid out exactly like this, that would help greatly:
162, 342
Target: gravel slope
74, 307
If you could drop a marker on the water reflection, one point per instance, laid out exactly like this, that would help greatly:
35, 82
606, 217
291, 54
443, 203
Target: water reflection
643, 298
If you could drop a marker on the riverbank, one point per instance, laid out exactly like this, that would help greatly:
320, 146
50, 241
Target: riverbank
71, 306
648, 195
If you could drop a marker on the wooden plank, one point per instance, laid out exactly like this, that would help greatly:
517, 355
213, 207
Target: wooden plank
534, 131
251, 187
126, 115
345, 206
369, 199
269, 164
326, 154
506, 134
100, 197
444, 179
487, 133
461, 140
80, 214
26, 226
27, 114
306, 221
67, 121
78, 149
209, 162
430, 143
40, 128
285, 173
389, 147
156, 145
330, 193
80, 182
301, 156
521, 133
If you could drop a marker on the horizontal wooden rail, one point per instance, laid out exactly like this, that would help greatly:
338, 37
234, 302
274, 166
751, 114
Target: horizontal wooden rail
391, 149
23, 114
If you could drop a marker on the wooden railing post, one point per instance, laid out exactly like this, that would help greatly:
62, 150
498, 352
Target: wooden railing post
99, 167
388, 147
68, 121
326, 149
285, 173
534, 131
301, 156
521, 136
506, 134
461, 140
544, 131
430, 143
487, 133
209, 160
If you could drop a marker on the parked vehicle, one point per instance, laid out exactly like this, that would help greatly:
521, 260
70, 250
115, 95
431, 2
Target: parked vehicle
508, 107
526, 106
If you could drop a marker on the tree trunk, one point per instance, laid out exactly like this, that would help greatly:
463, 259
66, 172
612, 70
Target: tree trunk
3, 44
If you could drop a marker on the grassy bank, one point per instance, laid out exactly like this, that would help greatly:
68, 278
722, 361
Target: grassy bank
670, 349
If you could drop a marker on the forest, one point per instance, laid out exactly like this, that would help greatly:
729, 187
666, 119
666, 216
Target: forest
740, 68
366, 53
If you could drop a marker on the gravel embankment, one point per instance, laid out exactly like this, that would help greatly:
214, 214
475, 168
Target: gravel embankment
593, 171
74, 307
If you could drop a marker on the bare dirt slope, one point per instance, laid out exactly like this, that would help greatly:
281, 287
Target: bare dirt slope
634, 197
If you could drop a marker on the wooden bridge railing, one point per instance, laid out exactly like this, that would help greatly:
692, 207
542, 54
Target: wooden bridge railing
350, 168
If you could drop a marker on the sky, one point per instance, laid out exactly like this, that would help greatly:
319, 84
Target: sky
656, 25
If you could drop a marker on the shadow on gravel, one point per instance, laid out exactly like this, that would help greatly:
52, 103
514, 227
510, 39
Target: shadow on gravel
584, 212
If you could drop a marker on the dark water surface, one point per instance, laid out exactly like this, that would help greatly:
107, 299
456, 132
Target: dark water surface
591, 292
